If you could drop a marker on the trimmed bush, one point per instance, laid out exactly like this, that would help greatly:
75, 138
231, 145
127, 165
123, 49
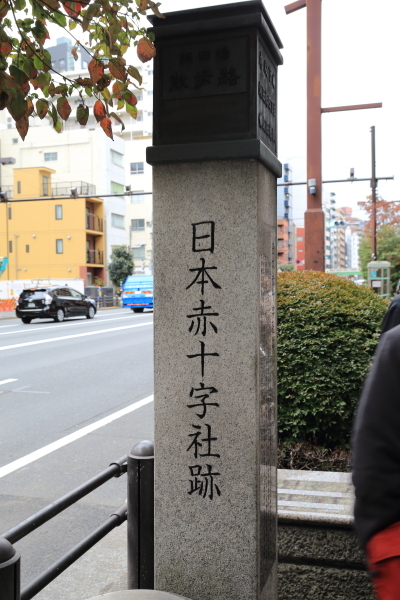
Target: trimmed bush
328, 329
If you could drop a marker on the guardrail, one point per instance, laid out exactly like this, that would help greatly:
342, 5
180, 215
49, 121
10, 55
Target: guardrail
138, 510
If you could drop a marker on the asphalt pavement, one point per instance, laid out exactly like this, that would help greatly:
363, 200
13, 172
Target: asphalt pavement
63, 387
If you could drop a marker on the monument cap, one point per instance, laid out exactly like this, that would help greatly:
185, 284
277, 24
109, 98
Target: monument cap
7, 551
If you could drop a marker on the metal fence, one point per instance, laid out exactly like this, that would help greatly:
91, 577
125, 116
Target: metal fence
64, 188
138, 510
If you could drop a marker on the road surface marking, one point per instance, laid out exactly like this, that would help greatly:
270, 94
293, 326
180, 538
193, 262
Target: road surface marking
74, 322
25, 391
69, 337
72, 437
15, 325
7, 381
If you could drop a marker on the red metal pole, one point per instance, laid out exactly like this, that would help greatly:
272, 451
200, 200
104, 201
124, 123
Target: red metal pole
314, 218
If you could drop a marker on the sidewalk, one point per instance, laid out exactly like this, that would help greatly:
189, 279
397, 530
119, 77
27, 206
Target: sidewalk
7, 315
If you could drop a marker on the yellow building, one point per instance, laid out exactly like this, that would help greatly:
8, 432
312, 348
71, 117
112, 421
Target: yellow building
57, 238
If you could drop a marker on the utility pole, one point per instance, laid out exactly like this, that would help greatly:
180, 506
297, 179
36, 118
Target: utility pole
373, 188
314, 218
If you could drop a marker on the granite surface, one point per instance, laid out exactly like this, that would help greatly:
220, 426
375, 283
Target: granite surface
215, 548
304, 582
139, 595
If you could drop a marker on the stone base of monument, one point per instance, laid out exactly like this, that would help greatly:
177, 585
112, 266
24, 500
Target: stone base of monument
319, 554
139, 595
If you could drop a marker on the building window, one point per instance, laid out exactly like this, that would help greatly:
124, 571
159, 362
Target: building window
117, 158
9, 213
117, 188
15, 141
84, 64
59, 246
27, 248
62, 63
299, 238
59, 211
45, 185
139, 253
139, 118
137, 168
48, 156
150, 92
137, 224
10, 246
118, 221
18, 187
137, 197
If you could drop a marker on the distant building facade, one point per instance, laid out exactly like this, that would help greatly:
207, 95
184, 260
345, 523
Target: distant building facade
285, 218
300, 249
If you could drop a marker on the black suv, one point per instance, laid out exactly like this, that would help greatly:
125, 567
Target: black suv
55, 303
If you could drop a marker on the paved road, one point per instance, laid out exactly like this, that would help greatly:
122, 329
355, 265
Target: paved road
55, 380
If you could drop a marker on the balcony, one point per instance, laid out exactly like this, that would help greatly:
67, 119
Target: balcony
94, 223
94, 257
8, 189
64, 188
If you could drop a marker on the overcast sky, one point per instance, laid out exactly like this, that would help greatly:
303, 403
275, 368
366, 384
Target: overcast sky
360, 54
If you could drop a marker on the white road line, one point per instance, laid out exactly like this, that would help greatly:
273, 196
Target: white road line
7, 381
33, 329
14, 325
69, 337
29, 458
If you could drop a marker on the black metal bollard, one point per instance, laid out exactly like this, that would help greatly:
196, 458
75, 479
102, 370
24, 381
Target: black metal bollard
10, 563
141, 516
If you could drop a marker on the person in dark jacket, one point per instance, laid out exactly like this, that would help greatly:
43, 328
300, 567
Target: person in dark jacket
376, 467
392, 315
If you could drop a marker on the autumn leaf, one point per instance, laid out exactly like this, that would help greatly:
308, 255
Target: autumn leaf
85, 81
42, 107
99, 111
63, 108
82, 114
74, 53
29, 68
131, 110
3, 100
41, 81
5, 44
146, 50
96, 70
22, 126
117, 88
58, 126
154, 8
105, 124
120, 104
143, 4
103, 83
73, 9
30, 106
117, 118
18, 107
117, 68
133, 72
130, 98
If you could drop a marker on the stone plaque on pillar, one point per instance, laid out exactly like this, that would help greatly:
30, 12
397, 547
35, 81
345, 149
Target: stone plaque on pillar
214, 170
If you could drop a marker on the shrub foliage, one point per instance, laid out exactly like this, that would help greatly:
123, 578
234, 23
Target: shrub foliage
328, 329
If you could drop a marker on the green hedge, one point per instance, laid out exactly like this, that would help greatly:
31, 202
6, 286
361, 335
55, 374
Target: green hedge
328, 329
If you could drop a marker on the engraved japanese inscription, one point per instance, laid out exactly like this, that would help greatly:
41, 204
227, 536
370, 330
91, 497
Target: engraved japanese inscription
210, 68
203, 447
267, 84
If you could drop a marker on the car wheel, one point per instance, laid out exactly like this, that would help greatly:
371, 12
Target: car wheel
138, 309
26, 320
59, 315
90, 313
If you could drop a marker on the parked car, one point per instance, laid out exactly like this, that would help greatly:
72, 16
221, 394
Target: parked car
54, 302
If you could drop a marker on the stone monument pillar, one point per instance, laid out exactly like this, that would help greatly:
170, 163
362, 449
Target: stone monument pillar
215, 169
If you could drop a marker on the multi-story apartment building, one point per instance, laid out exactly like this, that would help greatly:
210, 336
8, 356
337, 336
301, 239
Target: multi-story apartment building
86, 154
353, 233
335, 237
50, 238
299, 249
285, 217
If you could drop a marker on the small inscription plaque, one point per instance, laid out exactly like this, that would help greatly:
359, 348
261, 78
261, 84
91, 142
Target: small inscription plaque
210, 68
266, 90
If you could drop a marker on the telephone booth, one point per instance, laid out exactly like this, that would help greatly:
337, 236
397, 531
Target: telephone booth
379, 277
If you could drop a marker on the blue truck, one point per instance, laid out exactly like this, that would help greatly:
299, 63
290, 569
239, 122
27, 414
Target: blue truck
137, 292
